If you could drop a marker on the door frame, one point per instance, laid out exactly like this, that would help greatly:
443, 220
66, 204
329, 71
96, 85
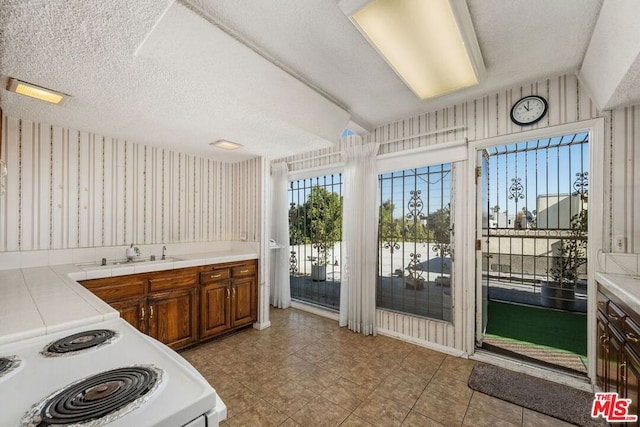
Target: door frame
596, 129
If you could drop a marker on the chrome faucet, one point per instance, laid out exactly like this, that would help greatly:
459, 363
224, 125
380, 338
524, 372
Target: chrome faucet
164, 248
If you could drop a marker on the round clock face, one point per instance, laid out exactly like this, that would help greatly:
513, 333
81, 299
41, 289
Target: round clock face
529, 110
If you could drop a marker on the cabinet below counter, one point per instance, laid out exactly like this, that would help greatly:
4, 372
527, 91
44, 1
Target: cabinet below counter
182, 307
618, 337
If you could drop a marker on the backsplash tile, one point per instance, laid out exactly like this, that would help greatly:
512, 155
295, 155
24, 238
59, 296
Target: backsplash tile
627, 264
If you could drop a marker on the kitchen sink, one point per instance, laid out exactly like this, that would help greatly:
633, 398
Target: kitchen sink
123, 262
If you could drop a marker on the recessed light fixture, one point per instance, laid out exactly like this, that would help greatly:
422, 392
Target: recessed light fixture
227, 145
430, 44
38, 92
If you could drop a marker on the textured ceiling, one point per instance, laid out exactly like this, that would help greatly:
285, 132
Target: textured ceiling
278, 76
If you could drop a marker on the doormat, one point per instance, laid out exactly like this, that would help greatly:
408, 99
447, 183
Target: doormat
556, 400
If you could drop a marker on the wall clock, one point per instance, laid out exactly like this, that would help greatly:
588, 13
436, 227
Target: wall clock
529, 110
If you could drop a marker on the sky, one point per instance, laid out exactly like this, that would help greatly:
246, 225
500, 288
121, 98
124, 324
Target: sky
543, 171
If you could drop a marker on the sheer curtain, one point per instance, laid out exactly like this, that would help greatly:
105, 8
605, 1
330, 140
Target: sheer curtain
280, 289
360, 239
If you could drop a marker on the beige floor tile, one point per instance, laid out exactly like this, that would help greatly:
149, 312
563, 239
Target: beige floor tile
290, 423
496, 408
441, 408
289, 397
477, 417
320, 412
265, 389
382, 412
536, 419
316, 379
292, 366
305, 371
314, 353
415, 419
364, 375
260, 415
354, 421
458, 364
345, 393
239, 401
398, 389
449, 387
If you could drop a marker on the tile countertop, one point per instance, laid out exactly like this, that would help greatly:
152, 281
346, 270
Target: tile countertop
625, 287
43, 300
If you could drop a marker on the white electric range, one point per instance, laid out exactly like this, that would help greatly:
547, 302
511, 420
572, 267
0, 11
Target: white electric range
46, 379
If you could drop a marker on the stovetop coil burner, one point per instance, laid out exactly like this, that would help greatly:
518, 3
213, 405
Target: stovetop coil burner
79, 342
96, 400
8, 364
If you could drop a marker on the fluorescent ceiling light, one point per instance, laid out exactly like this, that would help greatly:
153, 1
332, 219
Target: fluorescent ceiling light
38, 92
430, 44
227, 145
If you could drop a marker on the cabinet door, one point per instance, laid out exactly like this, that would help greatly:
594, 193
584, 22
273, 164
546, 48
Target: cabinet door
602, 352
172, 317
215, 304
133, 311
631, 374
615, 359
243, 301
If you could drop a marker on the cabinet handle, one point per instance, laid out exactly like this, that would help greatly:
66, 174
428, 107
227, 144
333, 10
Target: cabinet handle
142, 313
228, 293
215, 276
603, 338
244, 271
614, 316
234, 292
631, 337
150, 312
623, 368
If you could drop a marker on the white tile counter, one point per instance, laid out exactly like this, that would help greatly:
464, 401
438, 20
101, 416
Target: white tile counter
625, 287
43, 300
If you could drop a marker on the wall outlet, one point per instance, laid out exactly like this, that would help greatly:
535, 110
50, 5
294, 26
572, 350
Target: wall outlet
243, 236
620, 244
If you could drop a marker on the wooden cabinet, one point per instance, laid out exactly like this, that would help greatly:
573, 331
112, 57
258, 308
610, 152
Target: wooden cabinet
173, 317
215, 313
133, 310
618, 352
162, 304
228, 297
243, 304
184, 306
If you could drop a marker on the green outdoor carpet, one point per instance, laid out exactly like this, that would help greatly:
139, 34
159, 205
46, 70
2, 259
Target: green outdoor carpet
539, 326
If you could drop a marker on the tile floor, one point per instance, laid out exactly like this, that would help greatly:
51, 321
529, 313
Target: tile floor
306, 371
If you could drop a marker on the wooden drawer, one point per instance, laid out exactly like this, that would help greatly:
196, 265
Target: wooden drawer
632, 333
615, 315
246, 270
118, 291
170, 282
212, 276
602, 302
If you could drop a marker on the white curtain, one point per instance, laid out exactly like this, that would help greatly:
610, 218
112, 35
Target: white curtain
280, 289
360, 239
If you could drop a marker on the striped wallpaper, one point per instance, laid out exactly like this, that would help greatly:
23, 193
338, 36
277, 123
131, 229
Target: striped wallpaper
72, 189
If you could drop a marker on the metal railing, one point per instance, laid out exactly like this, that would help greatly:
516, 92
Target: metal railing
415, 252
538, 201
315, 229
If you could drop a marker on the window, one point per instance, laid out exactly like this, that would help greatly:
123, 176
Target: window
315, 233
414, 262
